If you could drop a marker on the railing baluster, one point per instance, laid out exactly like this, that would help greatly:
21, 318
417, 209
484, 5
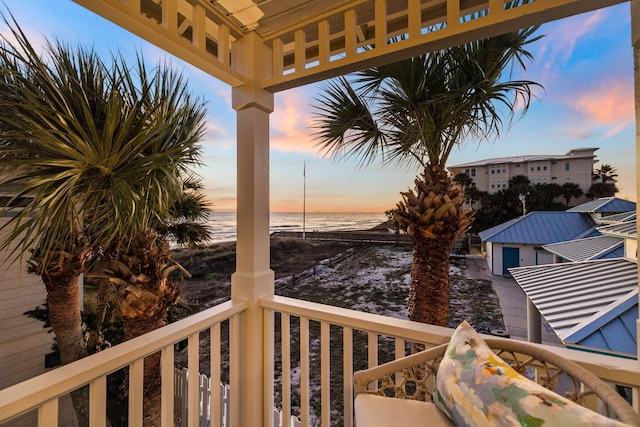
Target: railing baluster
193, 403
170, 16
372, 353
199, 36
234, 371
216, 398
304, 371
223, 45
168, 381
98, 402
300, 51
325, 376
350, 33
278, 57
414, 14
399, 352
269, 366
347, 371
285, 325
381, 23
323, 42
136, 392
453, 13
48, 414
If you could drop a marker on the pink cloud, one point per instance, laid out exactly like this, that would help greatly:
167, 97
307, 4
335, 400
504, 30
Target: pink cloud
609, 106
291, 122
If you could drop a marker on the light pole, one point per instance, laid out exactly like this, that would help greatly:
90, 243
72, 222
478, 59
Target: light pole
523, 198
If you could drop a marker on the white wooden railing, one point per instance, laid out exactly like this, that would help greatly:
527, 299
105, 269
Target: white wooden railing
42, 393
321, 343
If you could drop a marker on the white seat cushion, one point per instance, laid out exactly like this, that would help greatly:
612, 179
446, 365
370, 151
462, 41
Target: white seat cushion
380, 411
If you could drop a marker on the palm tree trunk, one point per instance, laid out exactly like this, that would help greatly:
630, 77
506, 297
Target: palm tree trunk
63, 300
429, 289
135, 327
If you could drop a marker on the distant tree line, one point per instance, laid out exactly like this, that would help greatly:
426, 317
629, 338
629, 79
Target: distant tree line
506, 204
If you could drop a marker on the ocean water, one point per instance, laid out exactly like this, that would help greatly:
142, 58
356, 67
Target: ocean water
224, 224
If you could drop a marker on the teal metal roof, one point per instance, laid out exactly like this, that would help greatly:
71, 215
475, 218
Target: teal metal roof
605, 205
540, 227
591, 305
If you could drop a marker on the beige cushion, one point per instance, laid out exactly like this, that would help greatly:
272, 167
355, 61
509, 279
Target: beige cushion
380, 411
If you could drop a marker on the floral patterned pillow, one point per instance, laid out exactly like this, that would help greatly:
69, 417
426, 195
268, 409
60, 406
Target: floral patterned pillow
474, 387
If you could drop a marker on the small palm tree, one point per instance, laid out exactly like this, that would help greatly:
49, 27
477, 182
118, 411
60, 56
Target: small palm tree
605, 174
571, 190
463, 180
99, 151
139, 270
414, 112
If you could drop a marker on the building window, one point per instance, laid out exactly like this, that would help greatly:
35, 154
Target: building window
538, 168
553, 178
466, 171
504, 169
544, 167
544, 181
493, 186
531, 168
566, 166
473, 172
473, 184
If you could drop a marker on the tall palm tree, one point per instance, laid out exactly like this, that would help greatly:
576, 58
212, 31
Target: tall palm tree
414, 112
571, 190
99, 150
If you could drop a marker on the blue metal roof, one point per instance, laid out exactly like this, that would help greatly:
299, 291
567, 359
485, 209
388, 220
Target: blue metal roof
625, 230
591, 305
540, 227
605, 205
615, 218
589, 248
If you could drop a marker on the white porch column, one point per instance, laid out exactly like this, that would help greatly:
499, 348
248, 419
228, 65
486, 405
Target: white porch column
253, 278
635, 41
534, 323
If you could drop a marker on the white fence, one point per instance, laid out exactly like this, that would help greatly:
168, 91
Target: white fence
180, 402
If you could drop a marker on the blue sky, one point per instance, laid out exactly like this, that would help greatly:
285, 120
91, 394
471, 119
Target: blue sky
585, 64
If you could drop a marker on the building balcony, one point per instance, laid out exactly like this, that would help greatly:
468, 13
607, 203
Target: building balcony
278, 347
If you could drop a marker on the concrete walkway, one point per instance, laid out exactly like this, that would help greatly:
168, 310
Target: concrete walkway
513, 301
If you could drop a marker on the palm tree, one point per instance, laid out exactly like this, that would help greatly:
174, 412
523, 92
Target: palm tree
571, 190
463, 180
140, 270
414, 112
605, 174
99, 150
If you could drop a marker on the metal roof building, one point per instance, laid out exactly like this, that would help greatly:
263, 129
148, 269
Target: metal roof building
621, 217
540, 227
605, 205
588, 249
590, 305
625, 230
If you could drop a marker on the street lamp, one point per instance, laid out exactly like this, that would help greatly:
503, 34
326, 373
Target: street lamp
523, 199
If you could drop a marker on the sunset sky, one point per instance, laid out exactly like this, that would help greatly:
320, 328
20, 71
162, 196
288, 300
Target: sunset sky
585, 64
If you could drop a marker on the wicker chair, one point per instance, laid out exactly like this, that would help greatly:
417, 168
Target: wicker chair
412, 378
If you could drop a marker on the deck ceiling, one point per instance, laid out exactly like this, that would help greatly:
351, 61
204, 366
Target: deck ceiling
313, 40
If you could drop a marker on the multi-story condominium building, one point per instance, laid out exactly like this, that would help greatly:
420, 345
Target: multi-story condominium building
492, 175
